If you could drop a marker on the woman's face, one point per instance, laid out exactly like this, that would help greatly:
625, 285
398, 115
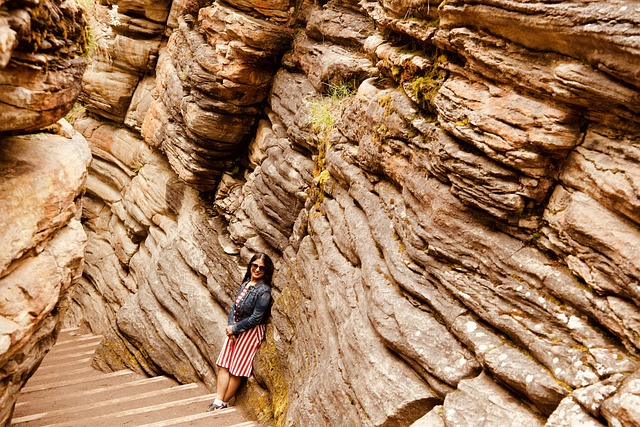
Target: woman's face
257, 269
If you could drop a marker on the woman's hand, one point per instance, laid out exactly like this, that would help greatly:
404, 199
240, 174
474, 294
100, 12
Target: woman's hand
229, 331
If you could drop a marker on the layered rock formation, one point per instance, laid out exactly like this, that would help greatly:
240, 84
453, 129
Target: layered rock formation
41, 43
43, 168
449, 191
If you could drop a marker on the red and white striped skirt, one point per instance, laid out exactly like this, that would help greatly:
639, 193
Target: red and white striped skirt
237, 356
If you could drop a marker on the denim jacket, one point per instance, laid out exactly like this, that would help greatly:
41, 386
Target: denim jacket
254, 309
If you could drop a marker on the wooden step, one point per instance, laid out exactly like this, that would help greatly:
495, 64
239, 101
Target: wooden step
82, 382
40, 402
99, 407
67, 391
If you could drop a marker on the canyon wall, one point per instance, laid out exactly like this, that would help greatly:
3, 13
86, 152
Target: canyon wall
449, 190
43, 169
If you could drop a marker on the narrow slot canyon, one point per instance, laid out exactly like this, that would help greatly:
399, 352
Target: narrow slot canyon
449, 192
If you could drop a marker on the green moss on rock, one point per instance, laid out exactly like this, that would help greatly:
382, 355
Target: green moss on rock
57, 28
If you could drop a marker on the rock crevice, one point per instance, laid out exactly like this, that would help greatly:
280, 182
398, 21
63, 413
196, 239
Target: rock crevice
449, 191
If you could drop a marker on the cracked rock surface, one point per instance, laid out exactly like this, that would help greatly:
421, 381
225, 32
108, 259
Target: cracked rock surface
450, 191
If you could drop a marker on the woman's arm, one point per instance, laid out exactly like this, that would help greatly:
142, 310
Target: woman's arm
263, 303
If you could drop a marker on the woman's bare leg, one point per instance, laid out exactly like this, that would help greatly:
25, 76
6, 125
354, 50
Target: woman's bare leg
232, 386
222, 383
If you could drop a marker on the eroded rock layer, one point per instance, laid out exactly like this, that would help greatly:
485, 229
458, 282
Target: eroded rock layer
40, 47
450, 192
43, 168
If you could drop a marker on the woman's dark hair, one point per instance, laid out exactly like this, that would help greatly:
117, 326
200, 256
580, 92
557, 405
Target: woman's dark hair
268, 268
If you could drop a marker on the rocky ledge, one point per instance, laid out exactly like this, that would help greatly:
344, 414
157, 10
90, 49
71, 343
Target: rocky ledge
449, 190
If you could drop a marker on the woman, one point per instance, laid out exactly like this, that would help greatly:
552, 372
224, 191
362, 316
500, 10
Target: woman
245, 329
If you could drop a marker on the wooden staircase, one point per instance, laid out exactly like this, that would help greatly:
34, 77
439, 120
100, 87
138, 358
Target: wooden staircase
67, 391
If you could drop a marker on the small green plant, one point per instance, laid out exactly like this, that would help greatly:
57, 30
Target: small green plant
88, 5
322, 178
50, 24
90, 15
341, 90
323, 112
99, 29
320, 113
236, 171
385, 102
462, 123
77, 110
425, 88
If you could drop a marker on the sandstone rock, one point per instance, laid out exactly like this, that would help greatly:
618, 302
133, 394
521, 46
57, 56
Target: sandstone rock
41, 262
278, 11
291, 94
591, 398
208, 69
576, 219
246, 38
432, 419
116, 145
569, 413
329, 66
145, 331
34, 98
395, 61
466, 261
135, 246
184, 8
179, 143
140, 102
35, 296
554, 281
100, 293
515, 130
480, 401
559, 76
128, 54
605, 166
41, 74
380, 402
139, 27
53, 169
340, 26
114, 74
389, 15
8, 41
510, 366
278, 193
119, 210
155, 124
621, 408
475, 179
109, 93
415, 335
202, 139
607, 45
415, 9
175, 253
396, 166
152, 10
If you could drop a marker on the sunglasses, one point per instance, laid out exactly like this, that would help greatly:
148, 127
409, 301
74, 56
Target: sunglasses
257, 267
